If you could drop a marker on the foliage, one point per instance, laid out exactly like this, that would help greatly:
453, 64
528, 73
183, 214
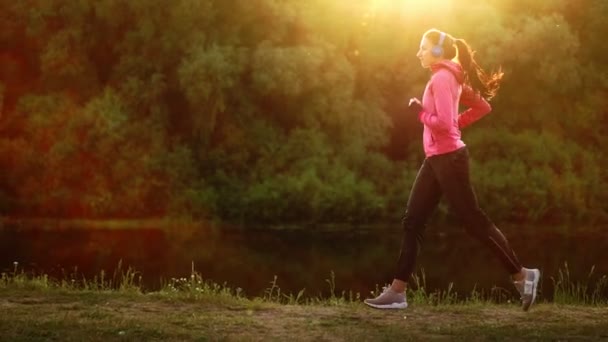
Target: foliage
277, 111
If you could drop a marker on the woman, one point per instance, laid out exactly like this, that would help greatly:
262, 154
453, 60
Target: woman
445, 170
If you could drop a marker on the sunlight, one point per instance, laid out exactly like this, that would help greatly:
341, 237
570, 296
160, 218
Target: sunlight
409, 6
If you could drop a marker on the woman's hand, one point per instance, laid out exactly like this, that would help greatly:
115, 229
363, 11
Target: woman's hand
415, 105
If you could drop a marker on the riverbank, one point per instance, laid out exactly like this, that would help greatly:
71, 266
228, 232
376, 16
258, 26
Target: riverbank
35, 314
357, 258
186, 226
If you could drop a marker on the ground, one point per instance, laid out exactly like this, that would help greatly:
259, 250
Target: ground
35, 315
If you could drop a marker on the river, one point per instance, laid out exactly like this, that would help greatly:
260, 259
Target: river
305, 258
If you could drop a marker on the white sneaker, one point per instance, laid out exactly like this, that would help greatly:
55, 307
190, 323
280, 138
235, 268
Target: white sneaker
527, 287
388, 299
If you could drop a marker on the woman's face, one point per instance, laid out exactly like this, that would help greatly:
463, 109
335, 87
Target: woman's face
425, 55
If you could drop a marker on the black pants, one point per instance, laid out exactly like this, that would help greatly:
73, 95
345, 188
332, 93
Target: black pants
448, 174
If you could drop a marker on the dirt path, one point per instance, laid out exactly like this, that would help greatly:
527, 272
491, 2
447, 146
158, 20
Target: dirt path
107, 316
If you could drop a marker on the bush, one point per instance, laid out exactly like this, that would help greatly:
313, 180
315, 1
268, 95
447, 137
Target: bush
534, 176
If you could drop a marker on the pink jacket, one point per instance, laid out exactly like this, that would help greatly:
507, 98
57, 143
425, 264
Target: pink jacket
442, 122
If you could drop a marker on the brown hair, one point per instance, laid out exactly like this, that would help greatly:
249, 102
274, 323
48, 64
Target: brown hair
483, 83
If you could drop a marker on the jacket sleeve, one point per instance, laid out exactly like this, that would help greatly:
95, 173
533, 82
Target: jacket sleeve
478, 107
443, 118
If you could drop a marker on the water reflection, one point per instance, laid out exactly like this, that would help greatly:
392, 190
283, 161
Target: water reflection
250, 258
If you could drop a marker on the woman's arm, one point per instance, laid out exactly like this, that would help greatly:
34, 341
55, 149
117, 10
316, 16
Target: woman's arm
478, 107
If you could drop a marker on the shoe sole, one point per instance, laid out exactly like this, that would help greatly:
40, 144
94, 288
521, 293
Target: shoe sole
388, 306
534, 286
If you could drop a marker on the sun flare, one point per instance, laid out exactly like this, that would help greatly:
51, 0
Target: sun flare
408, 6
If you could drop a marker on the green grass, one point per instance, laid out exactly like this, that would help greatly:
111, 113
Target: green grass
114, 307
591, 292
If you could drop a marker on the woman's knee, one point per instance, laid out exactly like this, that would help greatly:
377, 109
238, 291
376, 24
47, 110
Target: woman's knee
413, 223
472, 216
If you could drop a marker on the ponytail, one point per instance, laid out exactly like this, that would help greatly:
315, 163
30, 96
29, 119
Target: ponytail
482, 83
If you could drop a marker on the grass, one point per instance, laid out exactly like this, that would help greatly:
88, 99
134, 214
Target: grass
114, 307
591, 292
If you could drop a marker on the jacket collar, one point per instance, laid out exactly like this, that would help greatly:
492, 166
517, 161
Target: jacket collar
453, 67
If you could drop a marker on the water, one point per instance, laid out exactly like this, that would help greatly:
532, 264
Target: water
360, 258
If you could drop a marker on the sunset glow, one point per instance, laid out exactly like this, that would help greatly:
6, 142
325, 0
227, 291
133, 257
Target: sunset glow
405, 7
257, 170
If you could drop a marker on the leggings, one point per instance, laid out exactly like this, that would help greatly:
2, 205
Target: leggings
448, 174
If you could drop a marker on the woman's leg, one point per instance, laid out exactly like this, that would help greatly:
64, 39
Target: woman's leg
423, 200
452, 172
